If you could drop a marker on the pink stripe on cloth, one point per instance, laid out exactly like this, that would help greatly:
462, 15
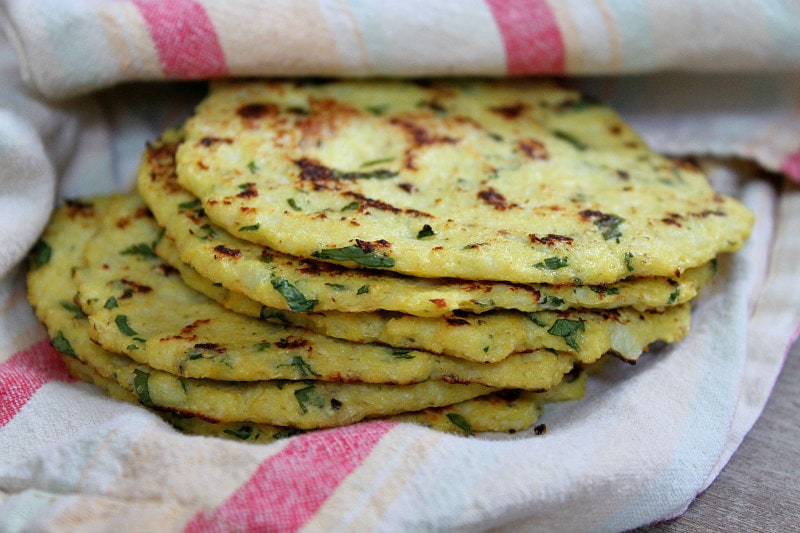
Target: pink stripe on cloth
290, 486
188, 46
531, 36
791, 165
24, 373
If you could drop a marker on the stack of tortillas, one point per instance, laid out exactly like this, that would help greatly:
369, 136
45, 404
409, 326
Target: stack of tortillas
309, 254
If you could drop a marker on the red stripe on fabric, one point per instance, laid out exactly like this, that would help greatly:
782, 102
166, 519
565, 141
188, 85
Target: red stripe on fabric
791, 165
531, 36
24, 373
289, 487
188, 46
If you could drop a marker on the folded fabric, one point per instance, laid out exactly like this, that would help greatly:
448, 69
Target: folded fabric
80, 45
636, 450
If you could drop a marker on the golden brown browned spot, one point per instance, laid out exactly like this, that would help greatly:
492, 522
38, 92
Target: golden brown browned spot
210, 347
510, 111
291, 343
550, 239
366, 203
78, 208
225, 251
133, 287
495, 199
209, 141
420, 135
248, 191
534, 149
255, 111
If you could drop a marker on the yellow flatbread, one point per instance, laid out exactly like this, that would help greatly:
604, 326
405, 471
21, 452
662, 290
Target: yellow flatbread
509, 180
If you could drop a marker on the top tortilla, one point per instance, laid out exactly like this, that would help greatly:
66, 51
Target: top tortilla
514, 181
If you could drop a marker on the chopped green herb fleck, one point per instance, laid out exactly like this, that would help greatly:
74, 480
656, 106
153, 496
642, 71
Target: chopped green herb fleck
426, 231
73, 308
673, 297
40, 254
189, 205
243, 433
374, 162
261, 346
609, 224
122, 324
356, 254
309, 396
141, 388
402, 354
286, 433
131, 347
61, 344
303, 368
111, 303
378, 110
569, 329
337, 286
270, 313
293, 204
571, 139
252, 167
252, 227
460, 422
629, 261
364, 289
296, 299
551, 301
536, 318
600, 289
552, 263
352, 206
142, 249
209, 232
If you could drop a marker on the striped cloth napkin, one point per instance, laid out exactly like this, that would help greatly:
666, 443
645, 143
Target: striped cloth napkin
76, 108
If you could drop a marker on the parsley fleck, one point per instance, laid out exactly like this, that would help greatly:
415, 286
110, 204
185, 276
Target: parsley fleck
569, 329
571, 139
426, 231
402, 354
111, 303
356, 254
609, 224
551, 301
600, 289
141, 387
460, 422
364, 289
552, 263
294, 298
536, 318
309, 396
252, 227
303, 368
61, 344
73, 308
673, 297
352, 206
122, 324
374, 162
261, 346
40, 254
629, 261
337, 286
286, 433
243, 433
189, 205
293, 204
252, 167
142, 249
